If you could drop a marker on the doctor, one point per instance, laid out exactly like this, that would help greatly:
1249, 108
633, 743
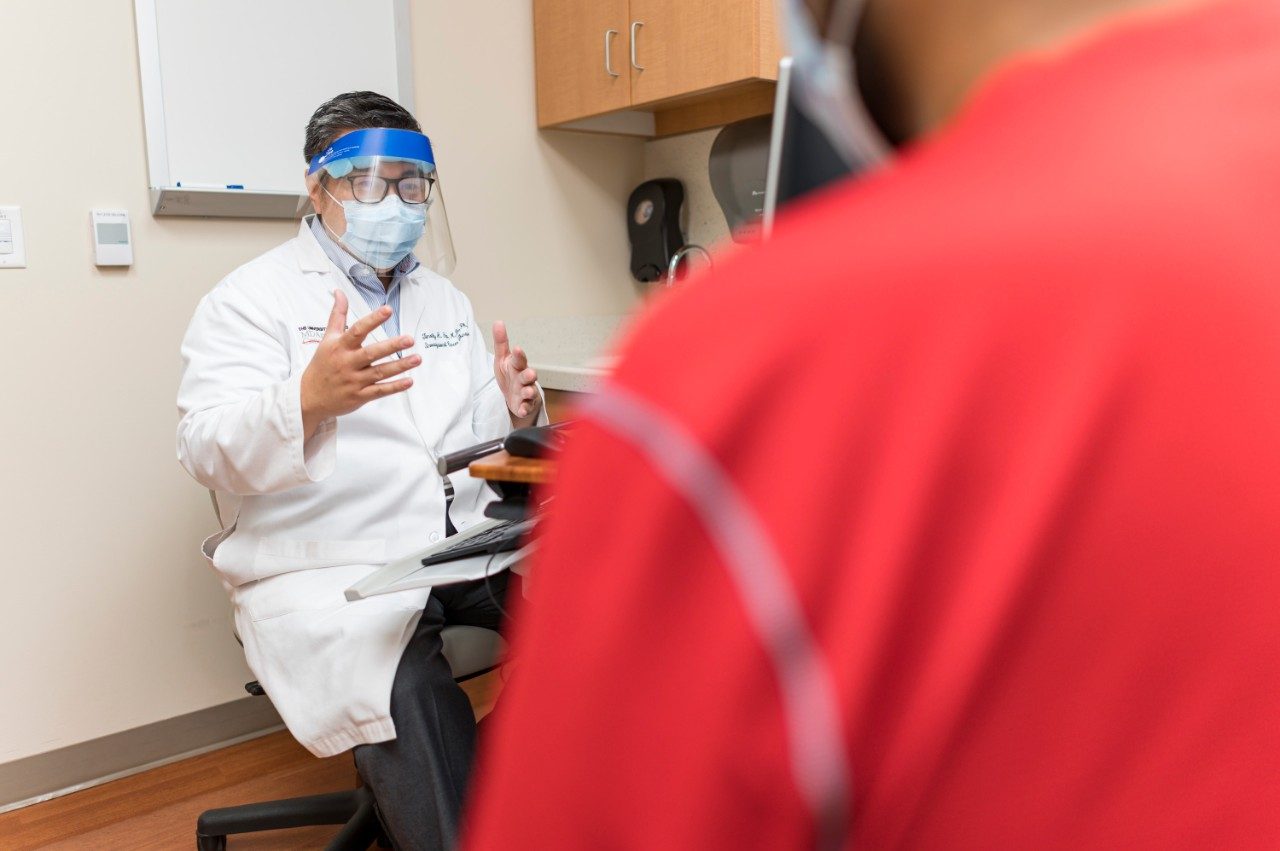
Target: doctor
320, 382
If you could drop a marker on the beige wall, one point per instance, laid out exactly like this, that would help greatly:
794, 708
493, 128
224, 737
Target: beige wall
109, 619
685, 158
538, 219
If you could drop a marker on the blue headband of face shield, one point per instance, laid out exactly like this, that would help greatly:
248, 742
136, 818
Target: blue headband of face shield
348, 151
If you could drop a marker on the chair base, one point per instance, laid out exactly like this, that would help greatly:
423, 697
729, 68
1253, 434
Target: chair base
353, 809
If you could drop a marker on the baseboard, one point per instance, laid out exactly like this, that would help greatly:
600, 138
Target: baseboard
47, 775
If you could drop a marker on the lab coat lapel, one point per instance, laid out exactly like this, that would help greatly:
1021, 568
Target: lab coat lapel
413, 303
426, 416
312, 258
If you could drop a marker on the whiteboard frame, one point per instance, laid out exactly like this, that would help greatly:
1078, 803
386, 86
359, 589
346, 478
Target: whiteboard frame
167, 199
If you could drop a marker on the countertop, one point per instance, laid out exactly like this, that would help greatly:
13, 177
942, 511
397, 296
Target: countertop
569, 352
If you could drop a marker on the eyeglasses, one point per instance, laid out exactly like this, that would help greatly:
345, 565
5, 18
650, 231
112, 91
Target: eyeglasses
371, 189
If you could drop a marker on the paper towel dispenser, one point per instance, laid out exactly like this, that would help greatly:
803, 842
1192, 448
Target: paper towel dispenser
739, 168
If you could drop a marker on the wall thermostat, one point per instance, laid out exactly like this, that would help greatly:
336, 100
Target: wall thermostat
112, 238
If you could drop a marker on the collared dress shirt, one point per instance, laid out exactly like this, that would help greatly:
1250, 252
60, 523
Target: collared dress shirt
365, 279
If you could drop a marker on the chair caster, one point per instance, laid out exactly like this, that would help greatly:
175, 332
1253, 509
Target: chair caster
211, 843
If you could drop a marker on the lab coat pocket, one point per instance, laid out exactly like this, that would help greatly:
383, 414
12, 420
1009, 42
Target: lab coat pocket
329, 668
281, 555
297, 592
210, 544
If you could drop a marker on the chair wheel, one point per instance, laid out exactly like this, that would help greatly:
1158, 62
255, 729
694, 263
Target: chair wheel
211, 843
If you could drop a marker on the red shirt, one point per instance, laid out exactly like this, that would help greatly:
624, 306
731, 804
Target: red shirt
950, 518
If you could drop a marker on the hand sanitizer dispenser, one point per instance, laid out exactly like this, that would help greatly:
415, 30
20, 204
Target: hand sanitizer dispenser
653, 224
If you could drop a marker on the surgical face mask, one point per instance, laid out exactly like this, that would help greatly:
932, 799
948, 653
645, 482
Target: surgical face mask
823, 79
382, 234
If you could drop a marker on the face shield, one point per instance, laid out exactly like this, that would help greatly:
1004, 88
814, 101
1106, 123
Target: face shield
387, 183
820, 35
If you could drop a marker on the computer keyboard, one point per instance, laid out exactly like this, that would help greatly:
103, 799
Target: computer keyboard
492, 536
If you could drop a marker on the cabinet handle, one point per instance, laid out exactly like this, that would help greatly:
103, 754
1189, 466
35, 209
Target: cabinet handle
635, 25
608, 56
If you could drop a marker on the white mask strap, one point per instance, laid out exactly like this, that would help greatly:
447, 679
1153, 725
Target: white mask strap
825, 83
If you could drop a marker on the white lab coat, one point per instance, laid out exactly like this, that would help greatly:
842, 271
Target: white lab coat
303, 521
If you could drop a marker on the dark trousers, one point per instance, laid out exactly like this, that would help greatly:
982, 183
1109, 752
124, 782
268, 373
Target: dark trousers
419, 778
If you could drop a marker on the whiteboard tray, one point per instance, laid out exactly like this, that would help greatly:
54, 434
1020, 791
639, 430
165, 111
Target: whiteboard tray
228, 203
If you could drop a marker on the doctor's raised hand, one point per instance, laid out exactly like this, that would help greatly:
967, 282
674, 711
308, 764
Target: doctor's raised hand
516, 379
344, 374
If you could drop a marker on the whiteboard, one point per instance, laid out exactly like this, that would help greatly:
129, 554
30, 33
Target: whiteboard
228, 86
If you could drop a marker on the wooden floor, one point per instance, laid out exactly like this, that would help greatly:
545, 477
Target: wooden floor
157, 809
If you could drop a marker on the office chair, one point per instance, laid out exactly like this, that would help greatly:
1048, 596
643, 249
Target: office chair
470, 651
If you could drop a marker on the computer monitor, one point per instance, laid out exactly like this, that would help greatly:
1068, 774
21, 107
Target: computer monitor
800, 158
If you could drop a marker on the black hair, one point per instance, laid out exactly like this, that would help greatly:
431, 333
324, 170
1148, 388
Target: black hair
353, 111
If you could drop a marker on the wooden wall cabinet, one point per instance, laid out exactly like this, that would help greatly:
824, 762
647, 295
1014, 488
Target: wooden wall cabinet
653, 67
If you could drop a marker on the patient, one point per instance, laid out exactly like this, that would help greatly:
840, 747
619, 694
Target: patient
953, 519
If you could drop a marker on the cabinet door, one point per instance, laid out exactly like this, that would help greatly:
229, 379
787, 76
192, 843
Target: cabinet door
572, 40
685, 47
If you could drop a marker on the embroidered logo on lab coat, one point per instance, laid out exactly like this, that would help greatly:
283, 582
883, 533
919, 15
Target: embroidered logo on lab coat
311, 334
446, 339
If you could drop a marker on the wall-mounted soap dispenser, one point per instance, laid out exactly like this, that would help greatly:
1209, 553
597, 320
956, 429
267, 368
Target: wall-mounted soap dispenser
653, 224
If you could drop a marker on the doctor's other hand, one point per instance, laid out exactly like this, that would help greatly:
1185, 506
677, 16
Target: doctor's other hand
345, 374
516, 379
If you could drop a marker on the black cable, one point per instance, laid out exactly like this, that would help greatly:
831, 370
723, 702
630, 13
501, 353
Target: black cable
489, 590
502, 669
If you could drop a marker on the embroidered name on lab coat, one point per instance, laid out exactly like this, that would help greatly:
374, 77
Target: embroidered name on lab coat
446, 339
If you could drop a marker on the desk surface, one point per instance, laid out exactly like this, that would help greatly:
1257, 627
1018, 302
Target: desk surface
505, 467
